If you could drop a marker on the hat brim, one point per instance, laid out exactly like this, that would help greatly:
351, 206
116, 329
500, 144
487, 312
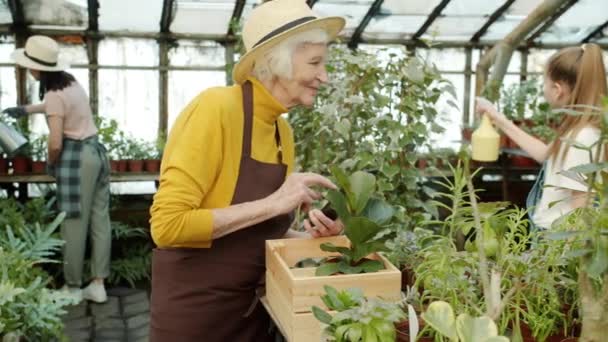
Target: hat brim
21, 59
331, 25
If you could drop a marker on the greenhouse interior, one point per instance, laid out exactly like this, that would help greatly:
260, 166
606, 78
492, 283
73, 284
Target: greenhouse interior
303, 170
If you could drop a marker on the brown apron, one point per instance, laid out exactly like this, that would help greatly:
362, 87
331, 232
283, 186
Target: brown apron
205, 294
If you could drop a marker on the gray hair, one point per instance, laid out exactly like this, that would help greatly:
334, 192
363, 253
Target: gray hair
278, 60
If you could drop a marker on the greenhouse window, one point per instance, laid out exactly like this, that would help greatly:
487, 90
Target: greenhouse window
196, 53
147, 18
569, 28
352, 10
128, 51
56, 14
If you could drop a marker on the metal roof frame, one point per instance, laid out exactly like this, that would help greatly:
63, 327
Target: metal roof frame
432, 17
355, 39
493, 18
549, 22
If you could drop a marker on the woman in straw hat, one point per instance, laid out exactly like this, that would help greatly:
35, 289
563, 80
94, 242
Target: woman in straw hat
227, 185
76, 159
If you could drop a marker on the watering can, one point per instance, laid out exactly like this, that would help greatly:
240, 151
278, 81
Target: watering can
485, 142
11, 141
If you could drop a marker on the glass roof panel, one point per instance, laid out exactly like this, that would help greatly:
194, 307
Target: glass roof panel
399, 19
147, 19
508, 21
5, 13
205, 17
7, 46
352, 10
62, 14
569, 28
471, 8
454, 28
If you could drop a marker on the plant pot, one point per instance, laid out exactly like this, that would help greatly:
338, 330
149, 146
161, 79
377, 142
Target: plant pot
39, 167
504, 141
114, 165
421, 164
122, 165
152, 165
3, 166
522, 161
403, 331
467, 133
136, 165
291, 292
21, 165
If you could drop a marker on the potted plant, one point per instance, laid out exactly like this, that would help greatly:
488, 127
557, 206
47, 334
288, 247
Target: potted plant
21, 163
3, 164
136, 154
38, 147
356, 317
155, 153
346, 261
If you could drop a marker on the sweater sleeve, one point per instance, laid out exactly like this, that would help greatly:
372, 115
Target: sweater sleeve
191, 164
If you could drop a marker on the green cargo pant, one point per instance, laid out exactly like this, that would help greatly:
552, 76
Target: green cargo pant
94, 219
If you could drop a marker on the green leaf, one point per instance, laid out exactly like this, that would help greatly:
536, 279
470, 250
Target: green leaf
370, 266
346, 268
369, 334
589, 168
574, 176
475, 329
321, 315
378, 211
338, 203
327, 269
384, 329
354, 333
362, 185
599, 262
561, 235
330, 247
362, 250
440, 316
361, 229
496, 339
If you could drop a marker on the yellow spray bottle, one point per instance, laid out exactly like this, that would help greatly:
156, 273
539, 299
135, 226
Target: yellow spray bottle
485, 142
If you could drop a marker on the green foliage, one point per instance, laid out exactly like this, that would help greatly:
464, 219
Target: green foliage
365, 219
440, 316
132, 255
111, 137
38, 148
27, 307
357, 318
377, 117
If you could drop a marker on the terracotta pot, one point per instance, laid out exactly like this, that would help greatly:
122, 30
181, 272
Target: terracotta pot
122, 165
152, 165
136, 165
403, 331
3, 166
421, 164
114, 165
521, 161
39, 167
21, 165
467, 133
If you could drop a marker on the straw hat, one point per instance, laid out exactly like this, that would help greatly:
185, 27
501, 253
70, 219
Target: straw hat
272, 22
40, 53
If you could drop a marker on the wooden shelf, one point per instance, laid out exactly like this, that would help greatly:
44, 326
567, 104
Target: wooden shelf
114, 177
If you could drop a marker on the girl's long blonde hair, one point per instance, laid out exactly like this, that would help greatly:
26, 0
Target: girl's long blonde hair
582, 69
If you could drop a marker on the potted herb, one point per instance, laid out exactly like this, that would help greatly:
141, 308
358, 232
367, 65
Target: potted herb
346, 261
136, 154
155, 153
38, 147
356, 317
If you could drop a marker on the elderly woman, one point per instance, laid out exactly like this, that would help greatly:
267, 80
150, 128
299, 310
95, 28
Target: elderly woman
227, 185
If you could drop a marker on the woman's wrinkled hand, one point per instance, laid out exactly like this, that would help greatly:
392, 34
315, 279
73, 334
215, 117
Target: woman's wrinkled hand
319, 225
297, 192
484, 106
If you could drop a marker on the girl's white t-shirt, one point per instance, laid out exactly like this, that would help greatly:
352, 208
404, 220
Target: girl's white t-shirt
557, 188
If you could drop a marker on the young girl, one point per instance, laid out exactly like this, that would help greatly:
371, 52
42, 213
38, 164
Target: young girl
574, 76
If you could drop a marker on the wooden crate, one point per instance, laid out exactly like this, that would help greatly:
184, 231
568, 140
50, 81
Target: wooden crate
292, 292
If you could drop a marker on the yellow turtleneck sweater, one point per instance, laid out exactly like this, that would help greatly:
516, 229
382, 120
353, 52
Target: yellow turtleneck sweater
201, 161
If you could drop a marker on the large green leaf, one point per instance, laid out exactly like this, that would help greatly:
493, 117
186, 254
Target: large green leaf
349, 269
440, 316
384, 329
378, 211
330, 247
344, 184
370, 266
327, 269
361, 229
589, 168
339, 204
472, 329
321, 315
362, 185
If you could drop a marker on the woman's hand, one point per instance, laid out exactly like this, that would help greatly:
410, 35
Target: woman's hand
319, 225
484, 106
297, 192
